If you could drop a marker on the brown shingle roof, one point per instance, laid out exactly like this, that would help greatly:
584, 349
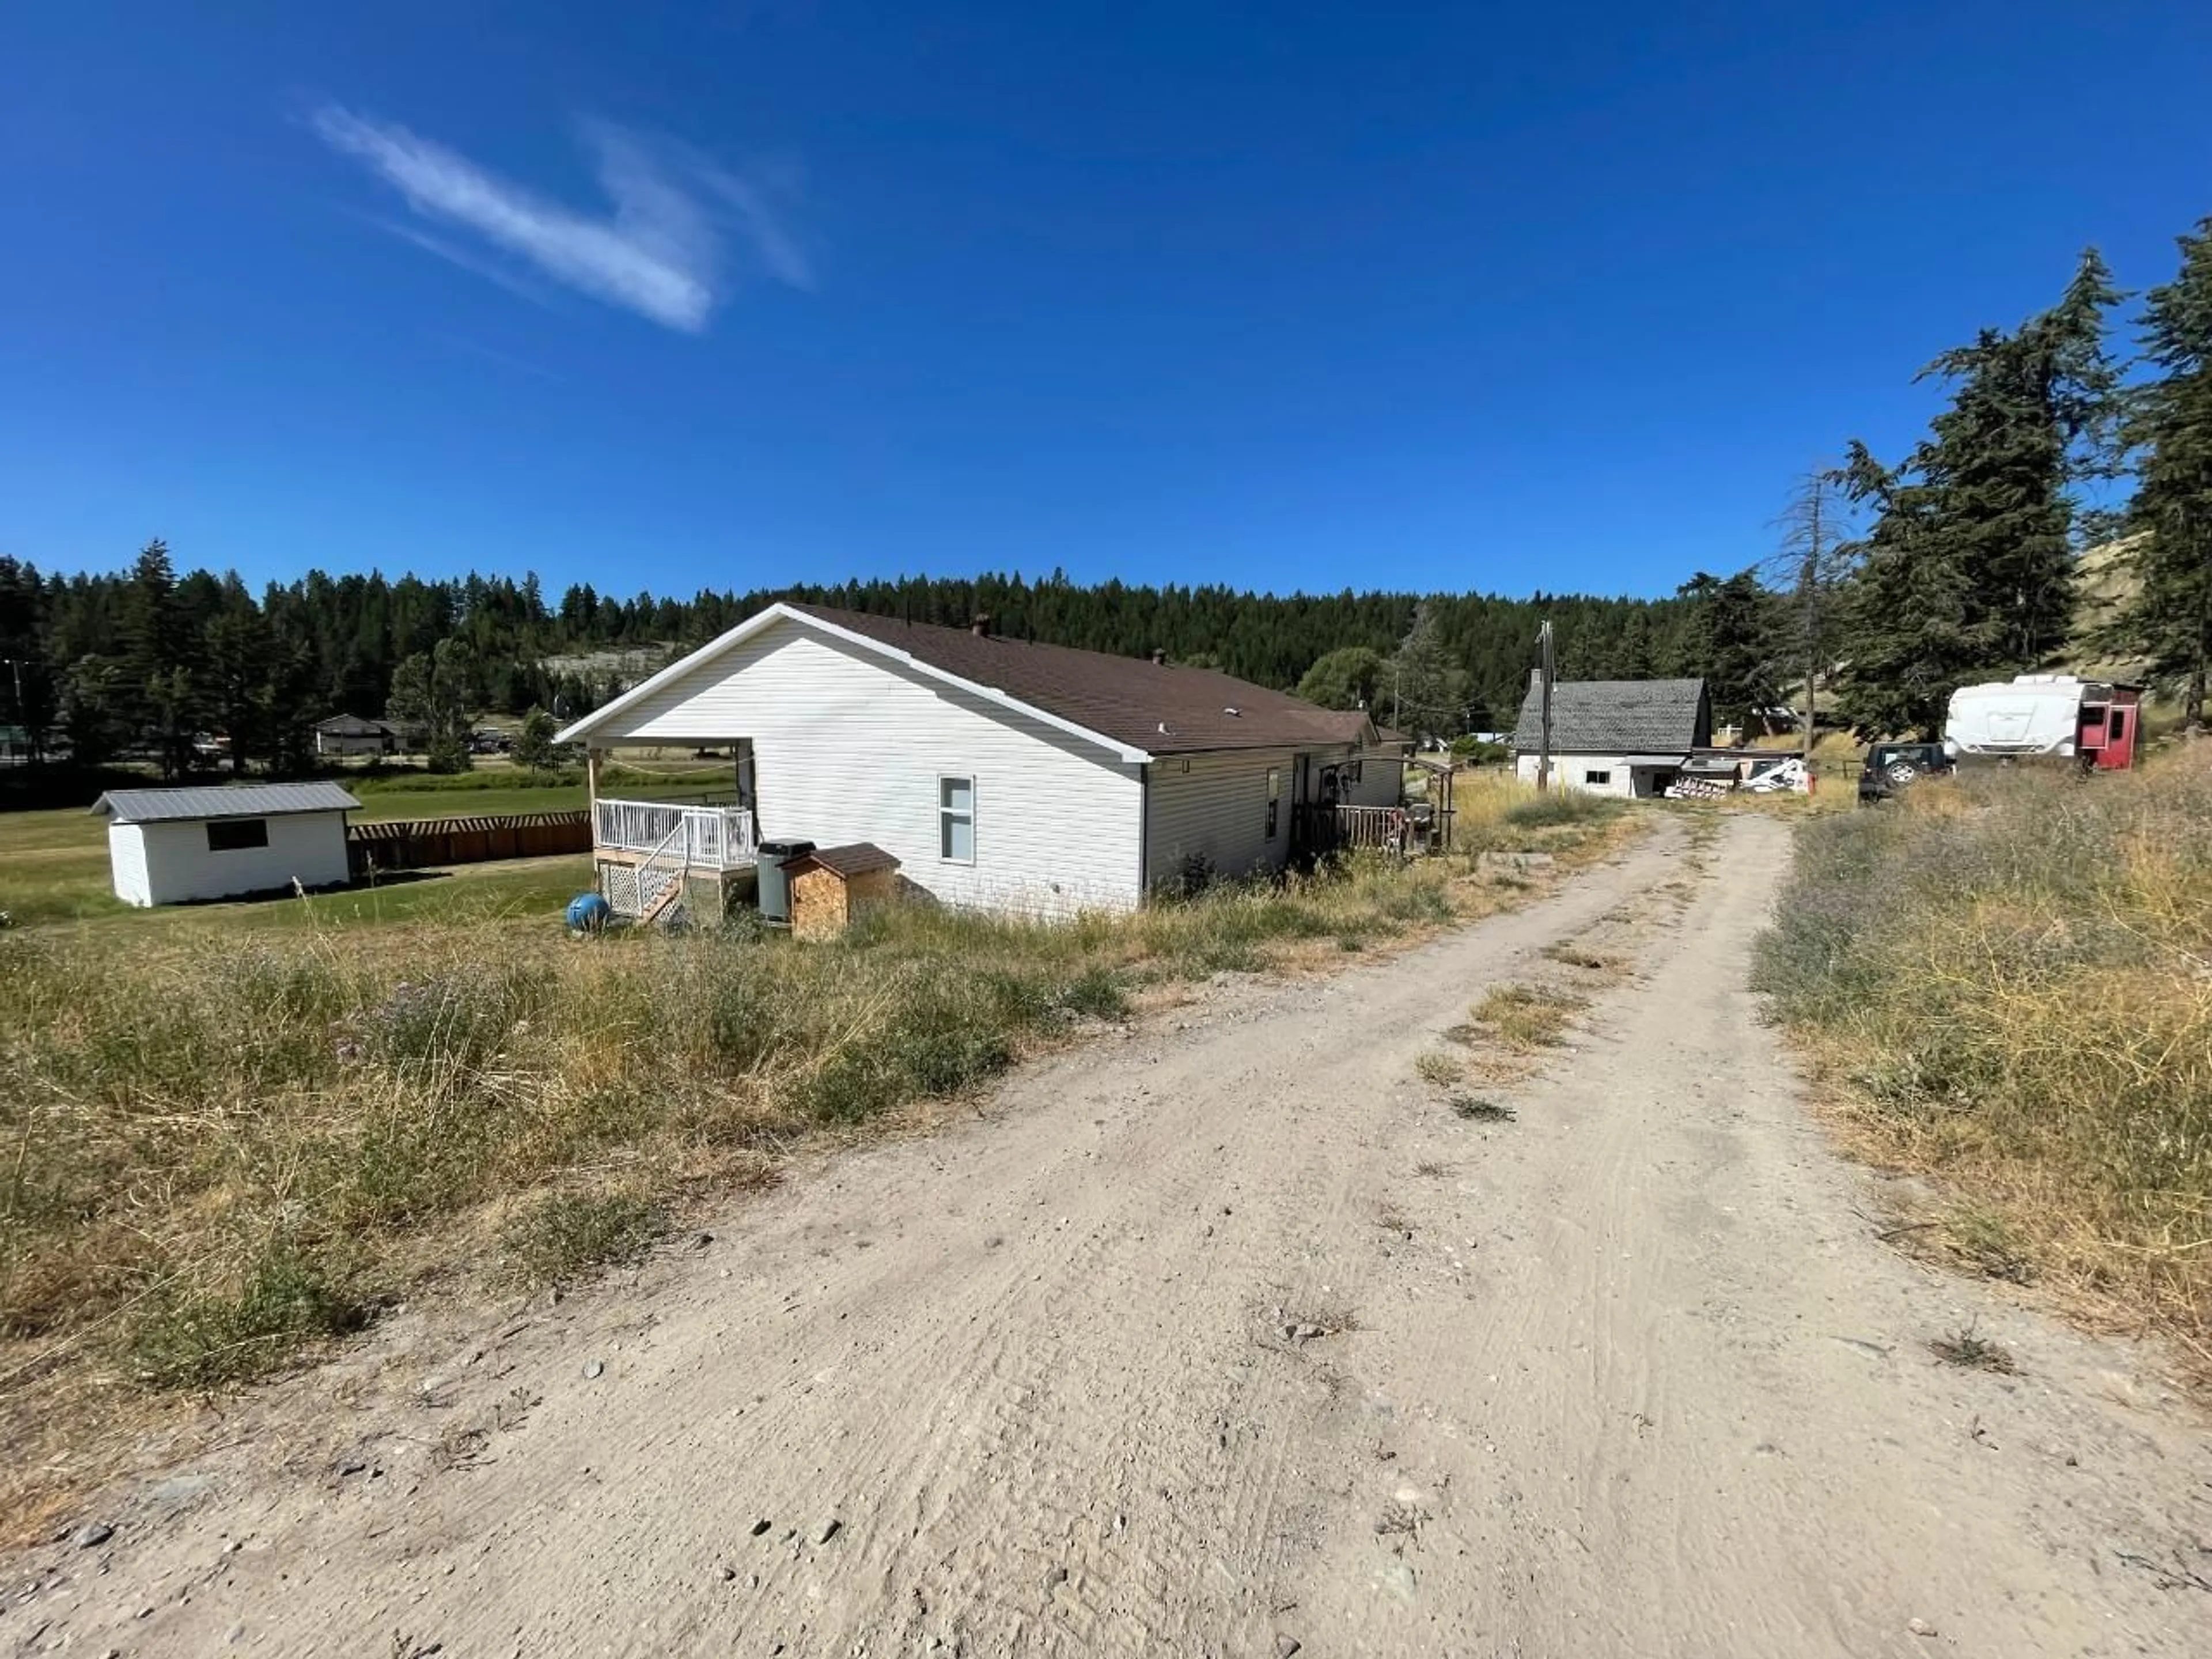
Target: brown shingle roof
1161, 709
856, 859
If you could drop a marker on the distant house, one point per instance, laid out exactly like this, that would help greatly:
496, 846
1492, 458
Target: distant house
171, 845
349, 734
1630, 738
998, 772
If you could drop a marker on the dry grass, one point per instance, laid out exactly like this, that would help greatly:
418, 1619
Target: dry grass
1439, 1068
1603, 964
226, 1149
1971, 1352
2007, 985
1473, 1109
1525, 1018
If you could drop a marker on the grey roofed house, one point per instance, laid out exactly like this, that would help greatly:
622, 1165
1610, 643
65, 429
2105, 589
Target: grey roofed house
253, 800
1618, 717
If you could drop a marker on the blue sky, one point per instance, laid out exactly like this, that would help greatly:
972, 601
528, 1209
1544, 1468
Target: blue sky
1278, 294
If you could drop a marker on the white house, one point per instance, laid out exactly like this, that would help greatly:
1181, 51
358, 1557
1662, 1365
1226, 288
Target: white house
1627, 738
169, 845
1000, 773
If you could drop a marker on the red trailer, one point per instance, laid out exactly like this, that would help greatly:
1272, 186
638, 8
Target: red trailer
2110, 717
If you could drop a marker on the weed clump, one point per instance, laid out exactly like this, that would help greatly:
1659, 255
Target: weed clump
1526, 1016
561, 1236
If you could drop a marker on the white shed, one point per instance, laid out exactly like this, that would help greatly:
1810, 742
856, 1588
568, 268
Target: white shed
1626, 737
171, 845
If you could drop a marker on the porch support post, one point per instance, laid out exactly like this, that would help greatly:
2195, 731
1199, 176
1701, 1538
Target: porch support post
592, 781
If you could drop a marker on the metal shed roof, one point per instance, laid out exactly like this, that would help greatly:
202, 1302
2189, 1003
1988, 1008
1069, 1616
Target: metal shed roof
252, 800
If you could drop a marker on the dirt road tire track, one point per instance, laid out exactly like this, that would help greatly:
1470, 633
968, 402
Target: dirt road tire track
1630, 1375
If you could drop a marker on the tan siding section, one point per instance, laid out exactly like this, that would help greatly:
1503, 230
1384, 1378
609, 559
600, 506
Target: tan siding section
1214, 806
1380, 782
849, 747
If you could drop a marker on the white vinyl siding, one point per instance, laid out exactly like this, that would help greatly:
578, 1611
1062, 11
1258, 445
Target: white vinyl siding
169, 863
126, 859
849, 746
1214, 806
1615, 776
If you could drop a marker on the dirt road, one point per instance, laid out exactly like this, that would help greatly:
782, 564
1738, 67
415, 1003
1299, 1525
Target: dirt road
1225, 1335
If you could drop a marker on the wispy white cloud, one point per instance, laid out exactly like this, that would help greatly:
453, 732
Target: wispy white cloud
682, 230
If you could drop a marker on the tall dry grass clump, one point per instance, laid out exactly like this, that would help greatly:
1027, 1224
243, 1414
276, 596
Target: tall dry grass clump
220, 1145
2011, 977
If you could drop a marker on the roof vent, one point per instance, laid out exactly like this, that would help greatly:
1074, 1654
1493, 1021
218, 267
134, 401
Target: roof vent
1234, 713
979, 624
1159, 658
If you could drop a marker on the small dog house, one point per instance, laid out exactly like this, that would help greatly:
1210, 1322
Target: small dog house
833, 886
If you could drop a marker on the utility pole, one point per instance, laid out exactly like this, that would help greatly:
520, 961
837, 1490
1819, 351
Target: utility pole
1544, 701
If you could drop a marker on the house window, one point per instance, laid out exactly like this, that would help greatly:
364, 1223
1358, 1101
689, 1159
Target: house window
1275, 797
237, 834
955, 820
1597, 777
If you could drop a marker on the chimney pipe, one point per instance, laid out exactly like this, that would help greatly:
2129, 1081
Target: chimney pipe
980, 625
1159, 658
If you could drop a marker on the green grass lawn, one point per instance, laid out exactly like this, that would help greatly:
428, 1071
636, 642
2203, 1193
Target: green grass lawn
53, 864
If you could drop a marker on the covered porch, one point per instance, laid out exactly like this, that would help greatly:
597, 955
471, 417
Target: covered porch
656, 858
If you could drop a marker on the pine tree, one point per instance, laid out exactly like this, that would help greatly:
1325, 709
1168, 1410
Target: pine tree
158, 698
1427, 688
1970, 567
237, 653
2169, 620
1733, 643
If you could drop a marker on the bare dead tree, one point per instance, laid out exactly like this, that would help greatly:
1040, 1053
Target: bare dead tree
1813, 559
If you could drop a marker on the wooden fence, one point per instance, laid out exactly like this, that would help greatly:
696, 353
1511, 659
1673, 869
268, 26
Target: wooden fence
417, 843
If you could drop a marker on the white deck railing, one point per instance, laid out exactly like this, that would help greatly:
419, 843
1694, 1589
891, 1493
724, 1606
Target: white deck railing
712, 838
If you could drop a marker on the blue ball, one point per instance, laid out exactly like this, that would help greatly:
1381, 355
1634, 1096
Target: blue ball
588, 912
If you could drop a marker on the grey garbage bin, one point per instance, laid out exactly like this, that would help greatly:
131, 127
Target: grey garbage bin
774, 887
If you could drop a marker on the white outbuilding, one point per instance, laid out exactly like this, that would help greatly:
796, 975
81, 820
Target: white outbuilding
172, 845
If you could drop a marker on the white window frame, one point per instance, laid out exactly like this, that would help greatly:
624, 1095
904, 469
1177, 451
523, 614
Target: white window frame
947, 814
1602, 777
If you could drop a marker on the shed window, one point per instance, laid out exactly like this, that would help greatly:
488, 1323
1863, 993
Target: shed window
1597, 777
237, 834
1275, 797
955, 820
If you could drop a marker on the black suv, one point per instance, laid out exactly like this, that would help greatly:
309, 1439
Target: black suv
1891, 766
